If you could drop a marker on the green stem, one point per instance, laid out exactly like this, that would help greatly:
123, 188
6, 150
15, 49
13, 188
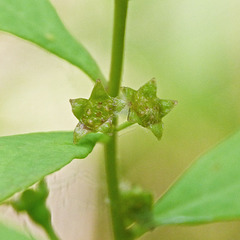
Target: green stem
120, 13
113, 190
123, 126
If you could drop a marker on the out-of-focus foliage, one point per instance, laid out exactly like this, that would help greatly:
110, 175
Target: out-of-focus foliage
190, 47
10, 234
33, 202
137, 207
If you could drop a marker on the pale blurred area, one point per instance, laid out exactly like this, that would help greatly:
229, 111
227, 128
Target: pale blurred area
191, 47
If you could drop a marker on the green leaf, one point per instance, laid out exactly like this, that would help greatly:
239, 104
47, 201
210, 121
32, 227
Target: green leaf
209, 190
38, 22
27, 158
7, 233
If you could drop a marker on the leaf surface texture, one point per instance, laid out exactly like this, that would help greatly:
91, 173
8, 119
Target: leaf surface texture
27, 158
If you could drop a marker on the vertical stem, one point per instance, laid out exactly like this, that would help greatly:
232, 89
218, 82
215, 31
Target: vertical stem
113, 191
120, 13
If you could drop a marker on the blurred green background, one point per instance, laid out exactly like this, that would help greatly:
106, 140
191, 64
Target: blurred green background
191, 47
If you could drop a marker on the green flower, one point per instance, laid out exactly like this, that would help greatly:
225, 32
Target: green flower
146, 109
96, 113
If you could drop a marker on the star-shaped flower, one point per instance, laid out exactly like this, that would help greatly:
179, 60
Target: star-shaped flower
96, 113
146, 109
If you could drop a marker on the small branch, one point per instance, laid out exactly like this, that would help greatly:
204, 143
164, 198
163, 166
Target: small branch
123, 126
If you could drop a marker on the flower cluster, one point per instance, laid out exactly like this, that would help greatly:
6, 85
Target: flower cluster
96, 114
